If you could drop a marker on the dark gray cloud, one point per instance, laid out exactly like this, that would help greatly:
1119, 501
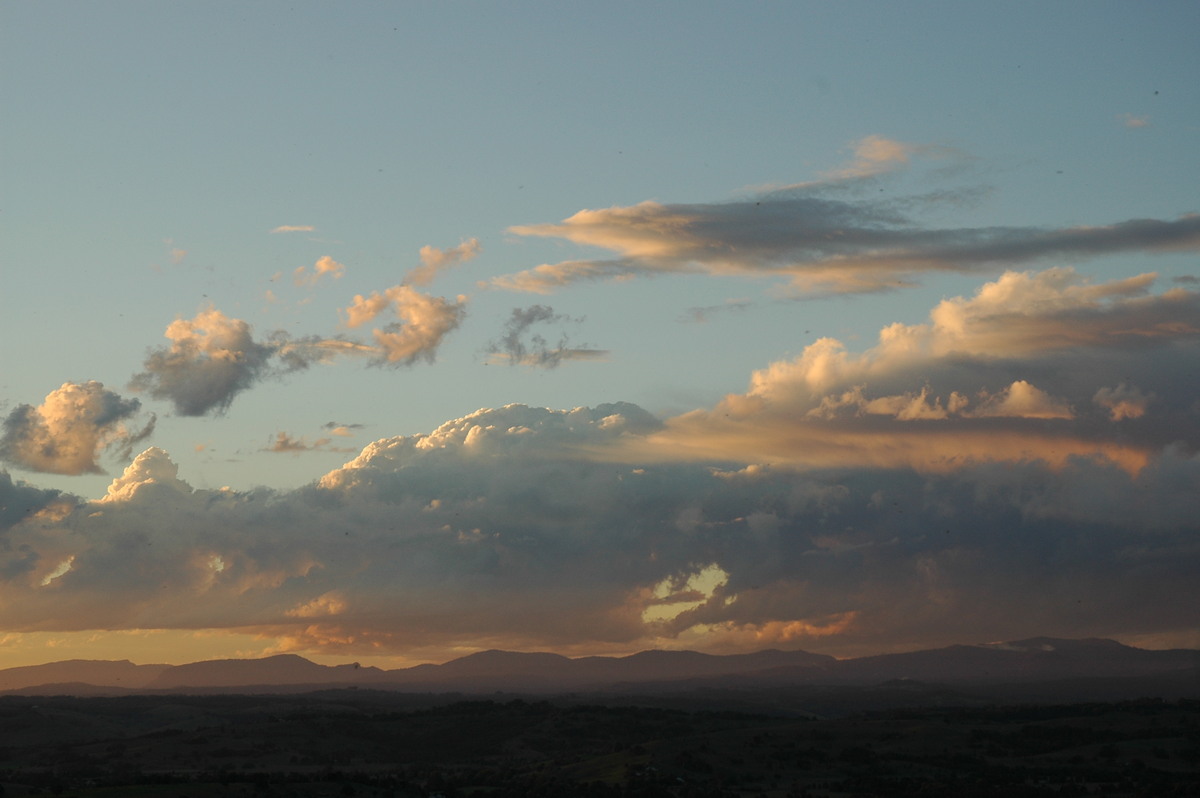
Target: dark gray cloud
518, 346
1024, 463
522, 527
213, 357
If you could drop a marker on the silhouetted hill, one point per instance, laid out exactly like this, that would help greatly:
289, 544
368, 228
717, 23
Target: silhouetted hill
282, 669
1038, 665
1038, 659
122, 673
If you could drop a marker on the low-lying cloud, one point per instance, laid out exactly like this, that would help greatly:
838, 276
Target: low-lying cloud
1017, 464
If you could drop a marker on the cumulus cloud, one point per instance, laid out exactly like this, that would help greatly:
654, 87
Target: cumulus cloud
1022, 462
1022, 371
434, 260
517, 346
71, 428
819, 244
324, 266
424, 321
519, 527
1122, 401
213, 357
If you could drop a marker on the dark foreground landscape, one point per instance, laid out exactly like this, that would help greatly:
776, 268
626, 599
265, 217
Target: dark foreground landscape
362, 743
1033, 718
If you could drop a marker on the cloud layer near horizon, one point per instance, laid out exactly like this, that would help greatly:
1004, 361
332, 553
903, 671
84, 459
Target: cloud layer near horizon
1027, 458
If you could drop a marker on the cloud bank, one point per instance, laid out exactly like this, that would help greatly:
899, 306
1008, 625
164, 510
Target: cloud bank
1021, 462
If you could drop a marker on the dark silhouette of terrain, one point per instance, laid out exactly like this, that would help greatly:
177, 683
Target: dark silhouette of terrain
1083, 669
374, 744
1034, 717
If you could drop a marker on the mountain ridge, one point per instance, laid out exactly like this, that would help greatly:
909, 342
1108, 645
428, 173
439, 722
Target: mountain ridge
1037, 659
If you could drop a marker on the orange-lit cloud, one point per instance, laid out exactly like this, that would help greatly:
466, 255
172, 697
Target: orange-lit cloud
434, 260
424, 321
1017, 372
816, 242
1031, 442
324, 266
69, 430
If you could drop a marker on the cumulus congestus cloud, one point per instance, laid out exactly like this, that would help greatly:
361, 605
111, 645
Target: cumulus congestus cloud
1034, 367
1013, 462
71, 428
214, 357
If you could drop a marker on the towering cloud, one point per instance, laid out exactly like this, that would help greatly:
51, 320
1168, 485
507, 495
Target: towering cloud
69, 430
1035, 366
1021, 461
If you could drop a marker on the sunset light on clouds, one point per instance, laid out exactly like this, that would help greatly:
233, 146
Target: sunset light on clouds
393, 332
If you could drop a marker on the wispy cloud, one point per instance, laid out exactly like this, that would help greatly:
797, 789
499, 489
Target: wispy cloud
820, 244
294, 228
284, 443
341, 430
518, 346
1130, 120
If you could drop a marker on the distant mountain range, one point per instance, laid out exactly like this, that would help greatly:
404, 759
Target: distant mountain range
1042, 661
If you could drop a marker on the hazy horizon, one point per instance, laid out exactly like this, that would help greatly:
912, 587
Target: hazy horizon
390, 333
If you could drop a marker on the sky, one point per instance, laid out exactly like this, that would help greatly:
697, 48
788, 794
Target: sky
392, 332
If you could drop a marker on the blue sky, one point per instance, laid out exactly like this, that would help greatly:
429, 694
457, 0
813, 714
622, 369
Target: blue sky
910, 154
